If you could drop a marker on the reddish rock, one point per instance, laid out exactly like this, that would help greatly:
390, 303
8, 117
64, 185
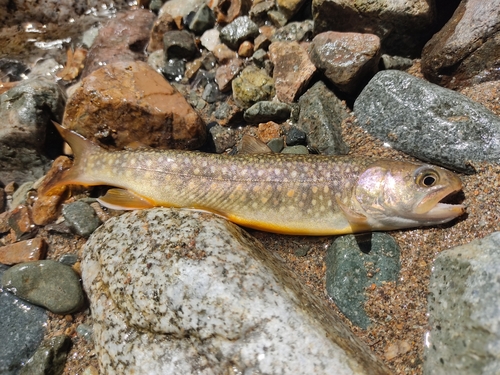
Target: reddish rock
4, 222
123, 38
467, 49
292, 69
165, 22
348, 60
268, 130
74, 64
225, 74
129, 102
223, 53
21, 223
24, 251
245, 49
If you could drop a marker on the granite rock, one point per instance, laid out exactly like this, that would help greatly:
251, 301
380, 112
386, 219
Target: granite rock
427, 121
464, 310
180, 291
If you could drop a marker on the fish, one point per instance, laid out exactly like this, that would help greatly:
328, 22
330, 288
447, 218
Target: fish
312, 195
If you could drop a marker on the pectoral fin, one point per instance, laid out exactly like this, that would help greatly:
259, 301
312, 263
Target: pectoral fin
120, 199
357, 221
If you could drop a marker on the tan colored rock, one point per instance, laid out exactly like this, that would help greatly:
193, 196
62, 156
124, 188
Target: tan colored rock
130, 103
24, 251
227, 11
289, 7
245, 49
292, 69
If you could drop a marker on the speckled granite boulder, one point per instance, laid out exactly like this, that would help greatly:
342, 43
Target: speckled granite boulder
176, 291
464, 310
427, 121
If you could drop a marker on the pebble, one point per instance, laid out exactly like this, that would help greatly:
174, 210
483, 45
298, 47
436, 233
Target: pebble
292, 69
238, 31
162, 25
427, 121
268, 130
180, 8
276, 144
22, 326
253, 85
203, 19
246, 49
395, 62
296, 150
224, 54
85, 332
295, 137
353, 263
466, 50
23, 251
80, 218
68, 259
132, 98
179, 44
265, 111
49, 358
153, 275
21, 223
294, 32
290, 7
210, 39
45, 283
348, 60
225, 74
464, 310
227, 11
320, 117
174, 69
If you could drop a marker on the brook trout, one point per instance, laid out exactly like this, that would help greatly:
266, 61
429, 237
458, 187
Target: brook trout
289, 194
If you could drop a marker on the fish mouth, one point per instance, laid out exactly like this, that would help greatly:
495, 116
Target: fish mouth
443, 205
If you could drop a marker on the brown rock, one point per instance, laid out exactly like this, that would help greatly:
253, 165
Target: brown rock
123, 38
268, 130
289, 7
245, 49
348, 60
21, 223
223, 53
2, 200
227, 11
74, 64
292, 69
4, 222
129, 102
24, 251
467, 49
225, 74
165, 22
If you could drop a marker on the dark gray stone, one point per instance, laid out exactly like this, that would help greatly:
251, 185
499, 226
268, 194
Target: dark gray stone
464, 310
295, 137
202, 20
21, 329
320, 117
179, 44
29, 107
429, 122
174, 69
50, 357
241, 29
355, 262
265, 111
395, 62
68, 259
45, 283
276, 144
81, 218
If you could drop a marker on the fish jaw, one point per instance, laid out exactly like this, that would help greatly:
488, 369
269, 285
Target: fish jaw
432, 209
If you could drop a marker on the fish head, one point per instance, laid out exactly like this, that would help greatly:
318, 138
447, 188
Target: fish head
396, 195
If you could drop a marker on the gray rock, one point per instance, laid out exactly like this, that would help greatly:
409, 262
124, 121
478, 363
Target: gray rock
68, 259
267, 111
395, 62
321, 114
203, 19
81, 218
294, 31
180, 8
466, 51
276, 144
45, 283
29, 107
353, 263
179, 44
464, 310
429, 122
22, 326
50, 357
177, 291
295, 137
241, 29
296, 150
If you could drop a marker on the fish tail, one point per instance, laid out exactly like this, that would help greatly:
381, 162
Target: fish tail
76, 174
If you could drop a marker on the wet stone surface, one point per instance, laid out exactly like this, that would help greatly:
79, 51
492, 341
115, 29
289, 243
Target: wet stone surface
80, 218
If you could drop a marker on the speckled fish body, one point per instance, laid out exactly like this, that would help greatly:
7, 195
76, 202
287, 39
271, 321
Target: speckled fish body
299, 194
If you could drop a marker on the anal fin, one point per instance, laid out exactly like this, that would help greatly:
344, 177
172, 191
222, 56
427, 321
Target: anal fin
120, 199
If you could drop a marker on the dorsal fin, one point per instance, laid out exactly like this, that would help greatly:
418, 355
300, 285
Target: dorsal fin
252, 145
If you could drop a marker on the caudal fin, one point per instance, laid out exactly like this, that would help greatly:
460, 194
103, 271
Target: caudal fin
75, 175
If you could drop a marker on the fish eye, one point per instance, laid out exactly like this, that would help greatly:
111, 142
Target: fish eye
427, 178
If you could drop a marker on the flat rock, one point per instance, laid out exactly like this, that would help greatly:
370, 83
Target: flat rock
403, 26
348, 60
22, 326
466, 50
320, 117
177, 291
23, 251
292, 69
427, 121
464, 310
123, 38
46, 283
129, 102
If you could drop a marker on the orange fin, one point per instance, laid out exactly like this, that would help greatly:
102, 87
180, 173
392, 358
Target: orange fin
252, 145
120, 199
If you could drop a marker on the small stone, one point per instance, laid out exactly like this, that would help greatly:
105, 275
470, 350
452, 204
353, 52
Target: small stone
267, 111
210, 39
252, 86
292, 69
193, 67
45, 283
396, 349
23, 251
295, 137
174, 69
91, 370
81, 218
321, 115
179, 44
348, 60
211, 93
245, 49
10, 188
180, 8
276, 145
267, 131
226, 11
2, 200
202, 20
225, 74
21, 223
353, 263
290, 7
228, 113
395, 62
241, 29
294, 32
260, 57
223, 138
68, 259
19, 196
296, 150
262, 42
277, 18
49, 358
162, 24
224, 54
